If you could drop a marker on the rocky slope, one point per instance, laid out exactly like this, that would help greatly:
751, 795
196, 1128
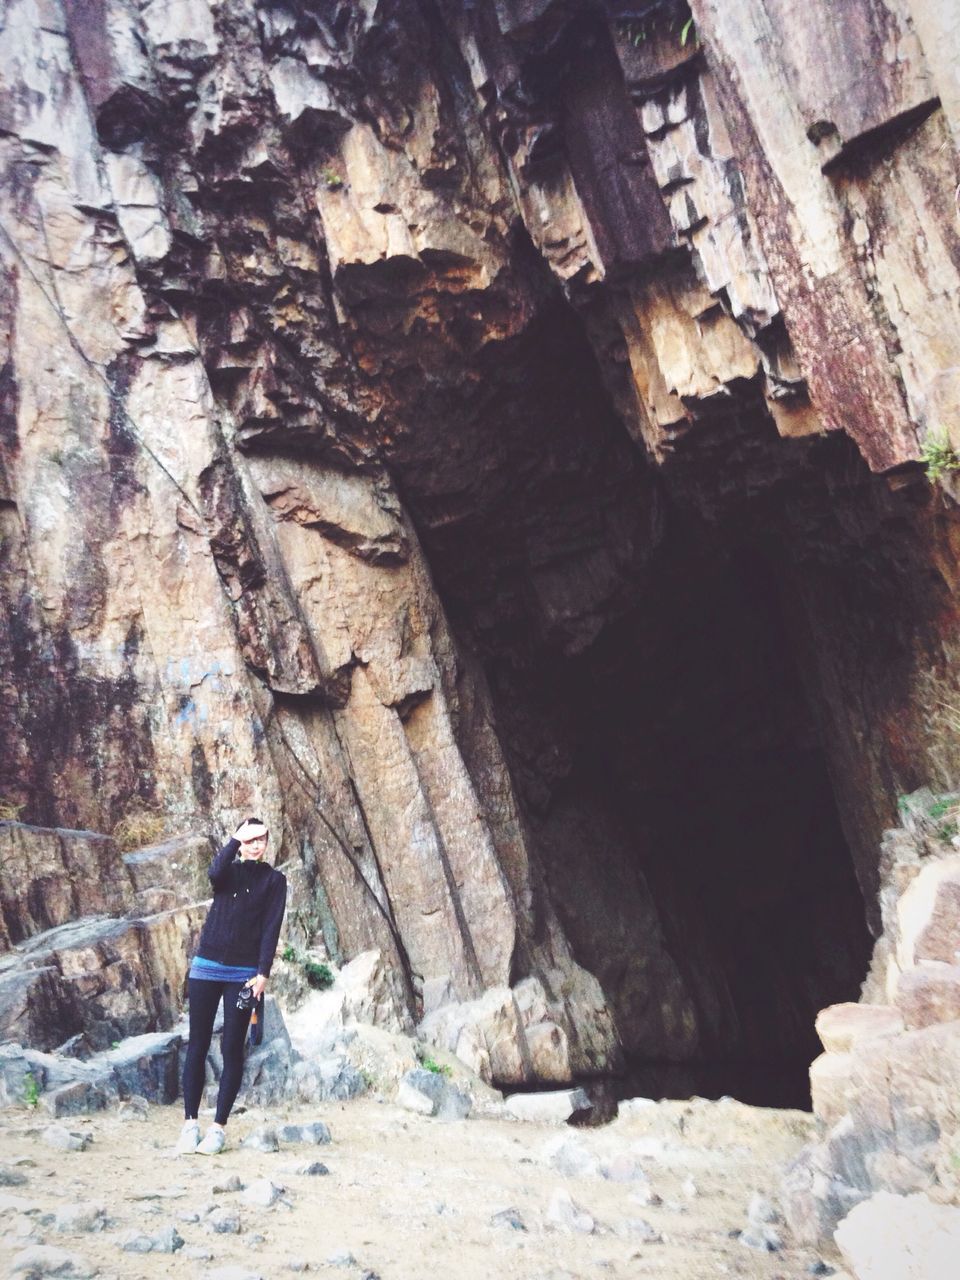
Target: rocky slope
483, 439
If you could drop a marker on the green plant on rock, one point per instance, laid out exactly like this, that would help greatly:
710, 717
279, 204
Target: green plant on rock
939, 456
939, 807
31, 1090
317, 975
430, 1064
331, 179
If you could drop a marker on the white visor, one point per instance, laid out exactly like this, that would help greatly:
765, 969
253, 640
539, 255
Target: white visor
251, 831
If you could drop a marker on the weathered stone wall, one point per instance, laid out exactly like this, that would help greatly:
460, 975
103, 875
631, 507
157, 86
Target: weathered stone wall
884, 1088
359, 365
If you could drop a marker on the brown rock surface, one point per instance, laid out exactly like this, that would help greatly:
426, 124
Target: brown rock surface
50, 877
929, 993
483, 441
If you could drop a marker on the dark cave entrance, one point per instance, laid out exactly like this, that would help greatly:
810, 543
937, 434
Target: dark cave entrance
694, 849
674, 658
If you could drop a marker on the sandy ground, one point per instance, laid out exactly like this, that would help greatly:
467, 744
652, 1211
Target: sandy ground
411, 1198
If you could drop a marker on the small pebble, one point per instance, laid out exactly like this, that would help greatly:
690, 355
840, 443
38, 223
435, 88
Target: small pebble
644, 1231
45, 1260
761, 1209
61, 1139
80, 1217
232, 1183
223, 1222
563, 1212
262, 1139
167, 1240
262, 1193
508, 1218
623, 1168
137, 1242
134, 1108
341, 1258
646, 1197
762, 1237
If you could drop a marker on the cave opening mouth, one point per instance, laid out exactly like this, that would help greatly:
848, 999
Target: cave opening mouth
691, 836
688, 664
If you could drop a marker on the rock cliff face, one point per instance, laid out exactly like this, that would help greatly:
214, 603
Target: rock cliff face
483, 439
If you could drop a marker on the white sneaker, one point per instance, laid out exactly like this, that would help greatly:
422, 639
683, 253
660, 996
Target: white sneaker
189, 1138
213, 1142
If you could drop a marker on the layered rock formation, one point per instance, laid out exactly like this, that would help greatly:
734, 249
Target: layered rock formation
97, 944
484, 439
884, 1089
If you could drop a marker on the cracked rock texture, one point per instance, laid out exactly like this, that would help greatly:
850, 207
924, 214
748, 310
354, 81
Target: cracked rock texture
408, 412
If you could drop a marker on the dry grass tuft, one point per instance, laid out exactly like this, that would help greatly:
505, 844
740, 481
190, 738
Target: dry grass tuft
139, 827
10, 810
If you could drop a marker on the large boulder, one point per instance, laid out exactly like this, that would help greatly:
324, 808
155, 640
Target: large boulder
900, 1132
268, 1068
147, 1066
507, 1036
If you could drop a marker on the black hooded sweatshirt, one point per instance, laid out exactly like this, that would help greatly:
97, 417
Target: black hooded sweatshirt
243, 924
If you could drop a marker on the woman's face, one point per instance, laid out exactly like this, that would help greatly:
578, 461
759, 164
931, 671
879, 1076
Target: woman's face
255, 848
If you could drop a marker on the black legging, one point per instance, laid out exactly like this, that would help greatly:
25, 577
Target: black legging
204, 998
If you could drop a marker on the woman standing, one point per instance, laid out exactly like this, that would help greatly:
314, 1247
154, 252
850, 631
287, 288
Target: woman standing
236, 950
